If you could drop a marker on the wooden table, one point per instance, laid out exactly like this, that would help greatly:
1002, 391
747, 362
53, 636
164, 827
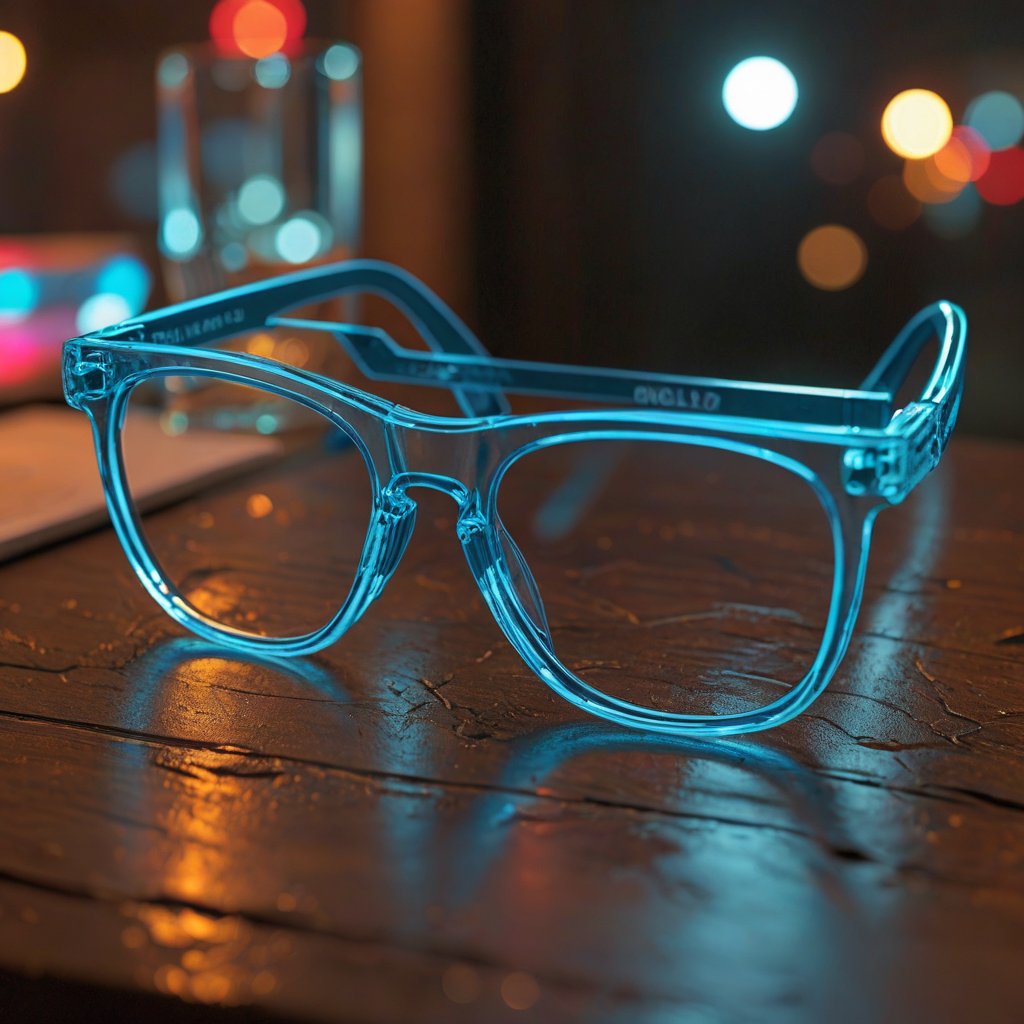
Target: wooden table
410, 827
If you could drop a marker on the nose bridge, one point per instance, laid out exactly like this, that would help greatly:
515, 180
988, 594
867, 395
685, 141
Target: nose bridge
455, 489
454, 462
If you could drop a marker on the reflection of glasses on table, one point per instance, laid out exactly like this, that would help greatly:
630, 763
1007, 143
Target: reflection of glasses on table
691, 563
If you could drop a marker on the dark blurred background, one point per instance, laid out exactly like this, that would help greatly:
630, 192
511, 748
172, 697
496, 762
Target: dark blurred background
564, 173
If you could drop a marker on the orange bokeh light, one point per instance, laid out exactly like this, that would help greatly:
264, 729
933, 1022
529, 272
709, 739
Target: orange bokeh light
257, 28
964, 158
926, 183
832, 257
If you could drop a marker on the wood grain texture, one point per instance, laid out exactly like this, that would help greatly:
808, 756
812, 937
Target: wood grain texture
411, 827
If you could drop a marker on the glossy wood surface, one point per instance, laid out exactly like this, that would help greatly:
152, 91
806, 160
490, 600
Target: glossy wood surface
410, 827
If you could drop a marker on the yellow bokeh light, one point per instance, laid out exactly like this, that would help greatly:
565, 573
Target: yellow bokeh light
12, 61
832, 257
916, 124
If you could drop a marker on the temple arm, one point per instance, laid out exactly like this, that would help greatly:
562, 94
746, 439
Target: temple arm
946, 323
381, 358
942, 321
920, 430
251, 307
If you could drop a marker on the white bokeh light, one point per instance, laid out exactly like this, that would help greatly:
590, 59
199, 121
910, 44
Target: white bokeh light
301, 238
760, 93
102, 310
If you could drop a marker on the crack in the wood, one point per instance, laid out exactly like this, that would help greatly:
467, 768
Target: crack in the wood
42, 668
917, 642
276, 696
434, 689
1011, 636
940, 793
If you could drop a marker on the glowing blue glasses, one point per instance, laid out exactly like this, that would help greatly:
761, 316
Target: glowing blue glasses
691, 562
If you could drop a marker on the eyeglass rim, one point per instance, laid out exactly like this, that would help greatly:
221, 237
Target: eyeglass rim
504, 603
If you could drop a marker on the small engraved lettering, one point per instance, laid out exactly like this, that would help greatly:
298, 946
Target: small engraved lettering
201, 329
670, 397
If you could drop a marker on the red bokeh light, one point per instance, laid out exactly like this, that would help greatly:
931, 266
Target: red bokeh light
260, 27
1003, 183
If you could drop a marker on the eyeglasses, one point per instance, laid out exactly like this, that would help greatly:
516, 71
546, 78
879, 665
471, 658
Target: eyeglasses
690, 563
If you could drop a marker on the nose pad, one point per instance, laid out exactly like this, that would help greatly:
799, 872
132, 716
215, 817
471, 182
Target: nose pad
394, 526
524, 583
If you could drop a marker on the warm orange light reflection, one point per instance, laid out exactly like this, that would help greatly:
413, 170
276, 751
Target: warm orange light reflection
916, 123
259, 506
259, 29
832, 257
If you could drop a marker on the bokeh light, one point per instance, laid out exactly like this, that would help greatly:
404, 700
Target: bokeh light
19, 293
128, 277
340, 62
172, 70
916, 123
234, 257
891, 205
1003, 183
760, 93
965, 157
261, 199
272, 72
181, 233
926, 183
101, 310
257, 28
997, 117
302, 237
957, 218
13, 61
838, 158
832, 257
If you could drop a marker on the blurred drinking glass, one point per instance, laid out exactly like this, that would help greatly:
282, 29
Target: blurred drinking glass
260, 166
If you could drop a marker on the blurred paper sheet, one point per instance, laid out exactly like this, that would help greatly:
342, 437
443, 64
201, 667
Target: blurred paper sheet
52, 485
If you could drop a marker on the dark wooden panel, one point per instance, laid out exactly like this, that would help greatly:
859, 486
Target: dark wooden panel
411, 815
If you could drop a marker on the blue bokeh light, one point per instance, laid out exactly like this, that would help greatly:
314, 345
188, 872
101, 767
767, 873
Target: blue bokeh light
261, 199
128, 277
997, 117
957, 218
181, 233
340, 62
300, 239
19, 293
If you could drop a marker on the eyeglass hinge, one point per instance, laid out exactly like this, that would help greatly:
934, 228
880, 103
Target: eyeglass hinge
87, 374
893, 469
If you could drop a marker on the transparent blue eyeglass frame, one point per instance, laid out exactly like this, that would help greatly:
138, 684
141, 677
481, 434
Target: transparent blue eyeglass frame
856, 451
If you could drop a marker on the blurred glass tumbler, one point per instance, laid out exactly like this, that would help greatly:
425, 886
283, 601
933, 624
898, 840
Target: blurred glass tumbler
260, 168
